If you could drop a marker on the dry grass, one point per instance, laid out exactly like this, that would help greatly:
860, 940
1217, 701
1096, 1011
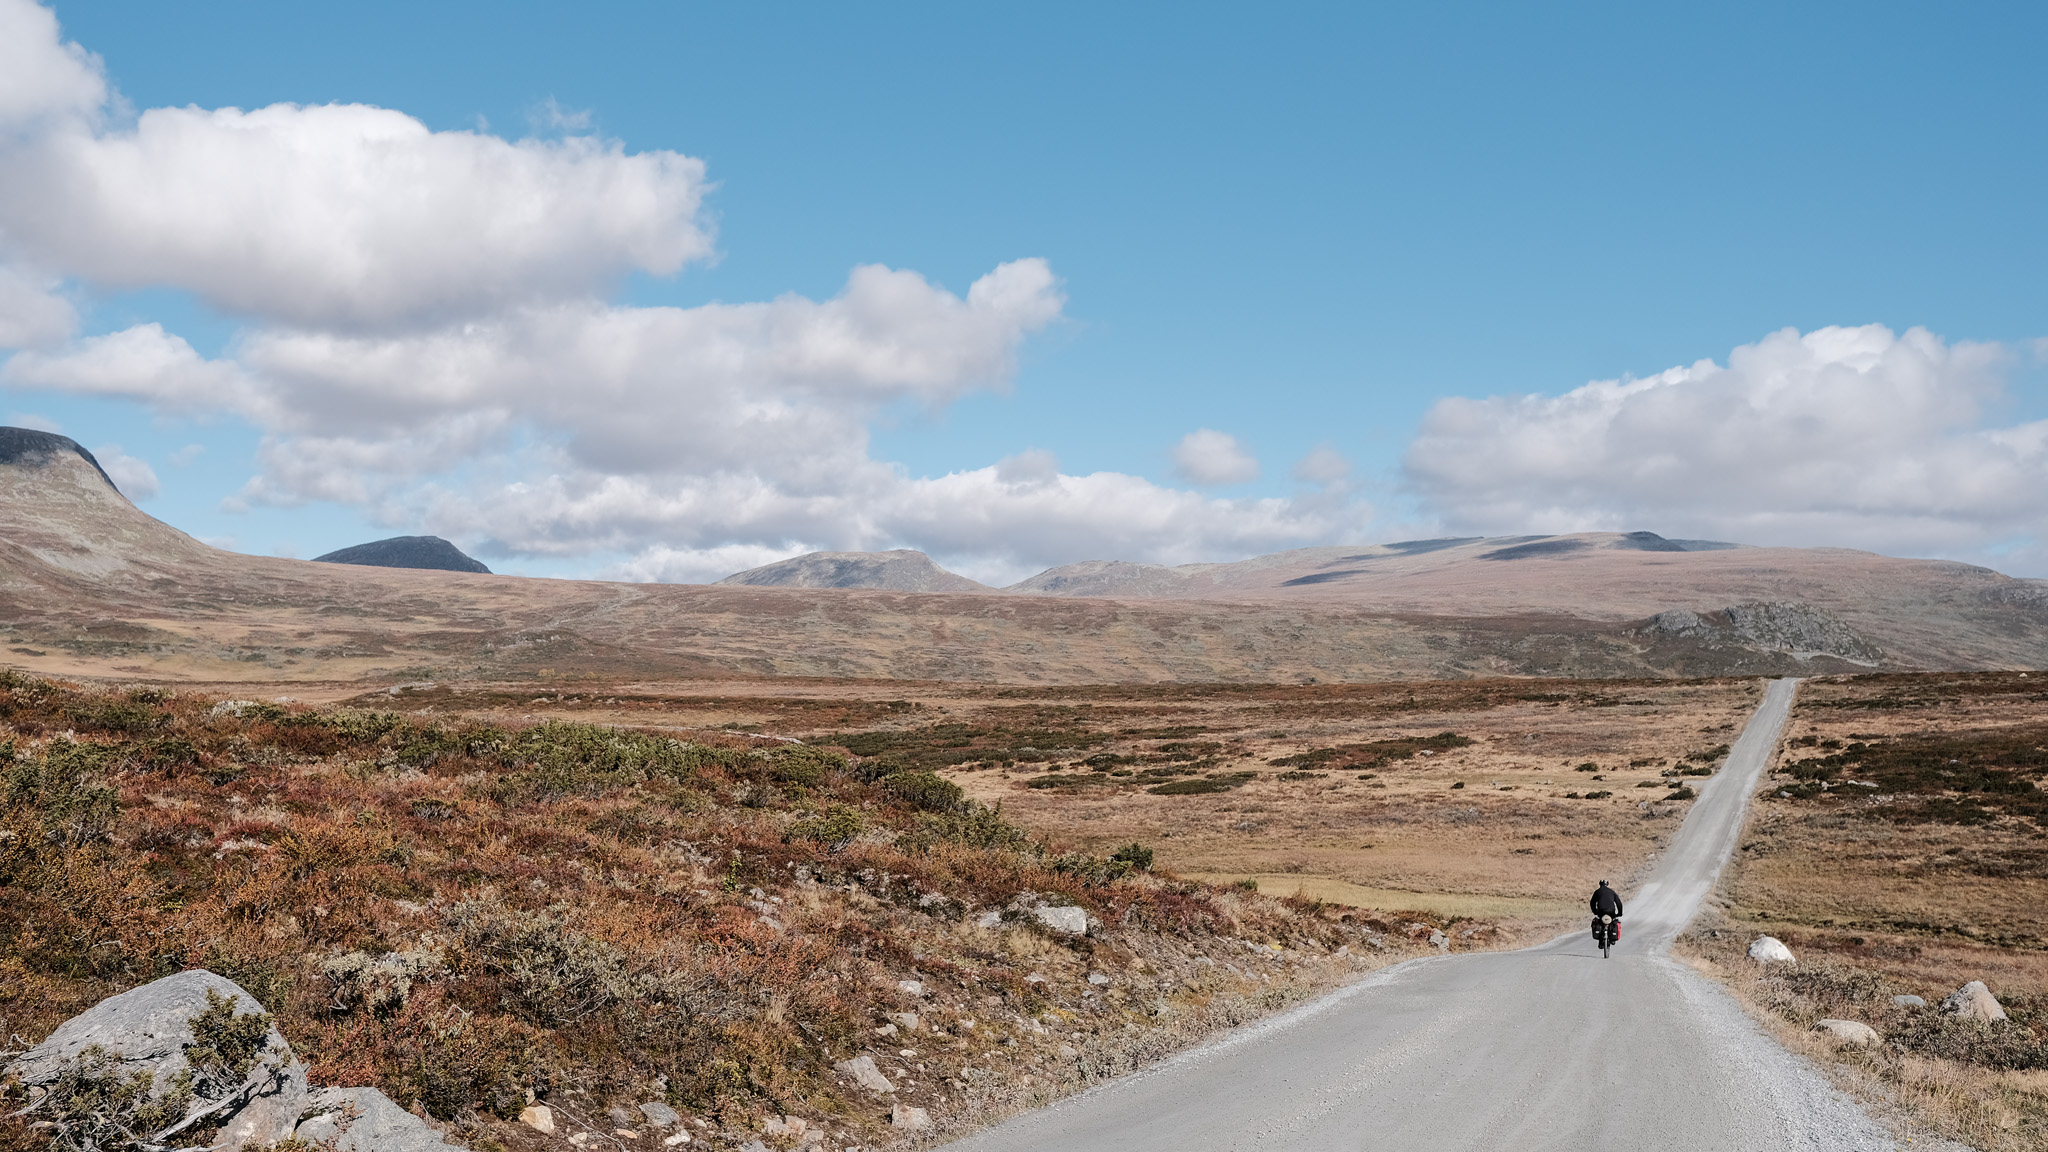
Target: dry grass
1932, 878
602, 916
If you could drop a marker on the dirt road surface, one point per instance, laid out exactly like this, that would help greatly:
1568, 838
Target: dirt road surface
1548, 1047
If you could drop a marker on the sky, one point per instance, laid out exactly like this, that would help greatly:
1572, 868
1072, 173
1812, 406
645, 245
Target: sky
663, 291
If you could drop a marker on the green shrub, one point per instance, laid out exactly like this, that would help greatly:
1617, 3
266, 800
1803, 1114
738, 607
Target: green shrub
224, 1045
1203, 785
553, 975
1136, 855
926, 790
835, 828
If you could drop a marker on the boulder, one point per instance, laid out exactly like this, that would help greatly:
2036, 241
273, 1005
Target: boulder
660, 1115
1850, 1032
539, 1117
365, 1120
1770, 950
865, 1074
1909, 1002
149, 1029
1973, 1001
1068, 919
906, 1116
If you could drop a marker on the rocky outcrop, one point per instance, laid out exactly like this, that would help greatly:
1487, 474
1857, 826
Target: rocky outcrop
1799, 630
193, 1051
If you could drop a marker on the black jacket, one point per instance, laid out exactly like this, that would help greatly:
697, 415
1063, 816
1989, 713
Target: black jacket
1606, 902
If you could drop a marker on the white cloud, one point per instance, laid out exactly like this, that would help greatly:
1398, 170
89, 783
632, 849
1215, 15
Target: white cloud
1843, 436
1323, 466
427, 337
134, 477
1206, 456
41, 78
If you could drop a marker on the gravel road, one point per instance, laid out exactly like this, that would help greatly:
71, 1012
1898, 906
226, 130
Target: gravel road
1548, 1047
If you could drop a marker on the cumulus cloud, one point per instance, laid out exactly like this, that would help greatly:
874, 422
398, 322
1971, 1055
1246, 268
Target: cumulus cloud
133, 476
427, 335
1850, 436
1324, 466
1206, 456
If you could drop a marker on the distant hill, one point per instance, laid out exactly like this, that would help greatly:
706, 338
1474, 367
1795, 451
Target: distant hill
901, 570
406, 552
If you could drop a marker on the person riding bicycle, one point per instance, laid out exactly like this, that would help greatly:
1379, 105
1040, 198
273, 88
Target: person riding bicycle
1606, 902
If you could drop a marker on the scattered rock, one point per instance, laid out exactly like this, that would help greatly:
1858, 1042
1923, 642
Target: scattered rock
365, 1120
786, 1126
1850, 1032
148, 1029
1068, 1052
681, 1137
990, 920
540, 1118
1771, 950
1097, 979
660, 1115
1439, 941
865, 1074
908, 1021
1973, 1001
1909, 1002
1068, 919
906, 1116
910, 987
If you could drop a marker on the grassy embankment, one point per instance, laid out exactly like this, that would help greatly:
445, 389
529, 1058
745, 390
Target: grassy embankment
470, 915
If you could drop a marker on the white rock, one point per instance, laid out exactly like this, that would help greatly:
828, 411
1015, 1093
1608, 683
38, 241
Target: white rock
906, 1116
910, 987
1850, 1032
1909, 1002
908, 1021
1770, 950
149, 1028
1070, 920
990, 920
865, 1074
681, 1137
538, 1117
1097, 978
1973, 1001
365, 1120
1439, 941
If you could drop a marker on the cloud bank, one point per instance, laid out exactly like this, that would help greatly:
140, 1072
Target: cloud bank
427, 334
1848, 436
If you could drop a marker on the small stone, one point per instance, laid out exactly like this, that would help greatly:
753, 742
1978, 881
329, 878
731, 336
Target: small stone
540, 1118
660, 1115
910, 987
1973, 1001
990, 920
628, 1133
580, 1139
1909, 1002
1770, 950
1097, 978
1067, 1052
865, 1074
619, 1117
908, 1021
886, 1030
1439, 941
680, 1138
906, 1116
1850, 1032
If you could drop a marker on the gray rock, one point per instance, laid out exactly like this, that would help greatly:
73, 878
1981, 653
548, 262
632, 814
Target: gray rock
1909, 1002
1770, 950
1850, 1032
1070, 920
1973, 1001
907, 1116
1439, 941
1097, 978
865, 1074
908, 1021
366, 1120
660, 1115
538, 1117
910, 987
147, 1029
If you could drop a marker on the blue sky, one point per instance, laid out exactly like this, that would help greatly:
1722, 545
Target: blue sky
1300, 226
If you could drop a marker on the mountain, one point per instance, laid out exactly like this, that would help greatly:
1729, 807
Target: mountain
901, 570
92, 586
406, 552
